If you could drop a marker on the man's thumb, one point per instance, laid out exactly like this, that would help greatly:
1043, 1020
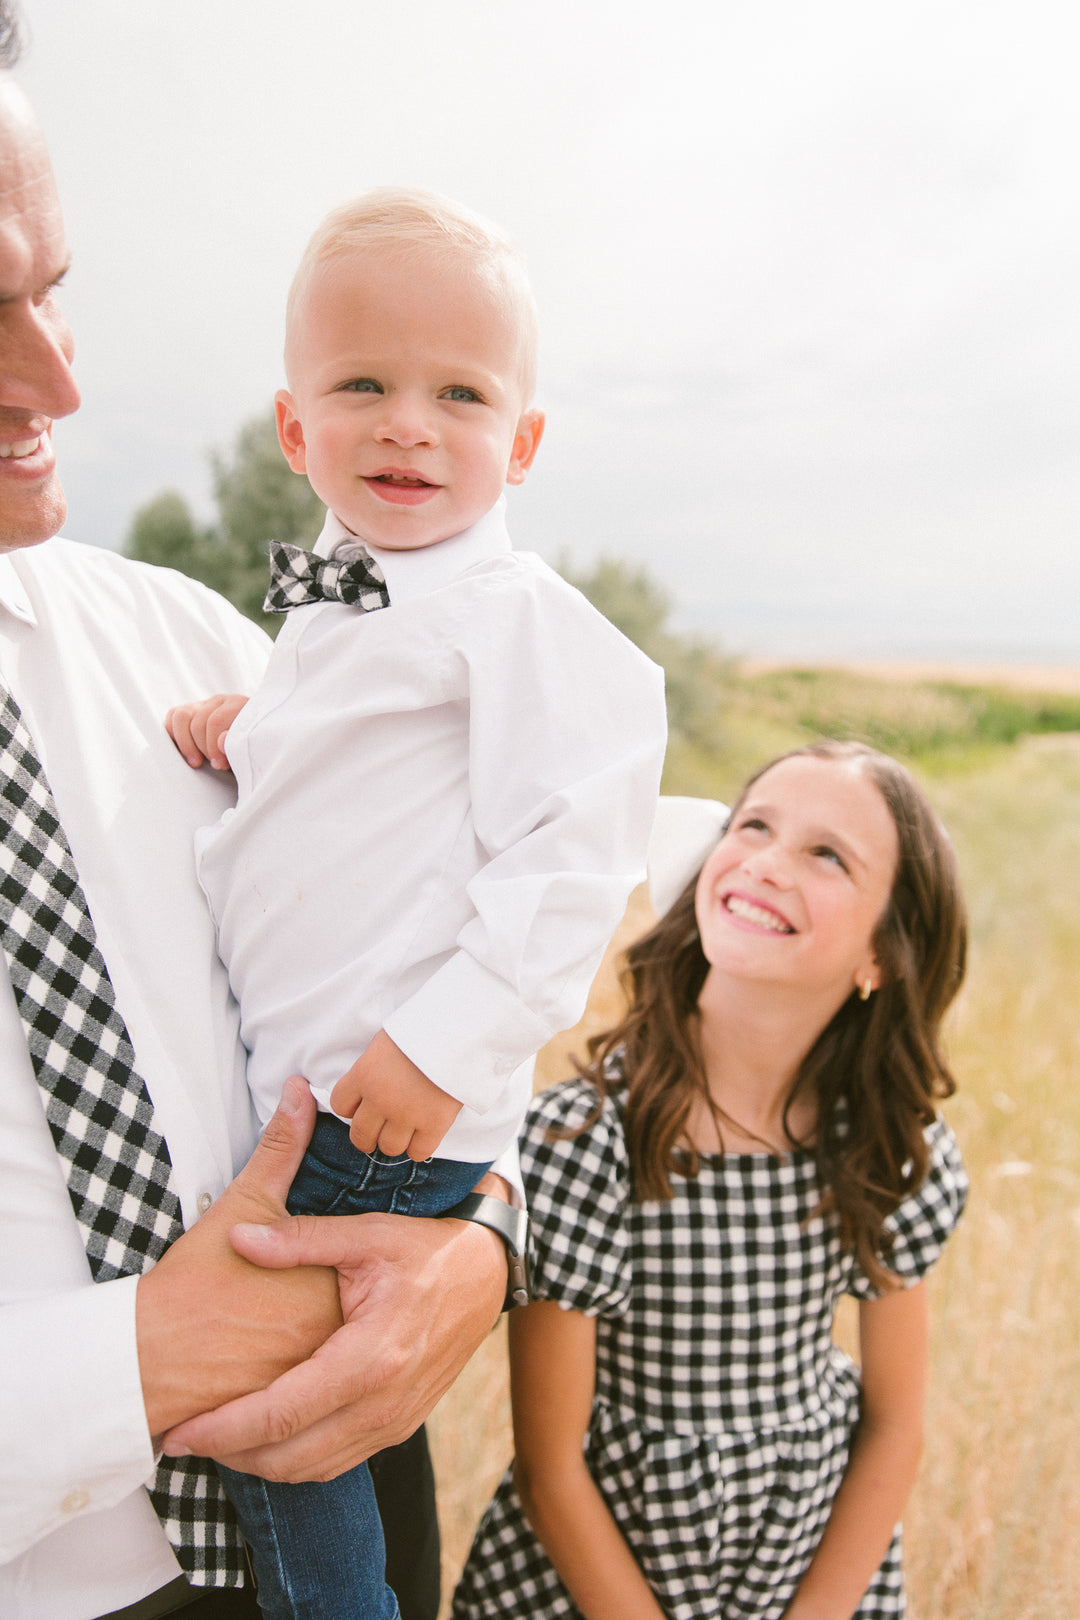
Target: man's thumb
269, 1172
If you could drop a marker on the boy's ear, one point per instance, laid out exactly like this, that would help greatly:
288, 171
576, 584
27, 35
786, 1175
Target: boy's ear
530, 430
290, 430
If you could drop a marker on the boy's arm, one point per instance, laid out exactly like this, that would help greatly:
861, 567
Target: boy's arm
553, 1374
893, 1334
566, 737
199, 729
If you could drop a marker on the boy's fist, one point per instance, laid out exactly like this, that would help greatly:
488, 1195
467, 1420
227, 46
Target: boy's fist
392, 1104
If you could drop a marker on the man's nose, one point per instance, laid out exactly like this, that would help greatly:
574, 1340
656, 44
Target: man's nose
407, 420
36, 350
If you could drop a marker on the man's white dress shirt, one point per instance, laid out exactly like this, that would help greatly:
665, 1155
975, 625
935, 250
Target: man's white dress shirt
95, 649
442, 808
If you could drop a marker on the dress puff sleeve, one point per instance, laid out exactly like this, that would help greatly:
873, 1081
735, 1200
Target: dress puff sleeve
921, 1226
577, 1189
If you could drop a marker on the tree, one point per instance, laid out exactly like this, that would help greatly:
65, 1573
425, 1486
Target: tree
259, 498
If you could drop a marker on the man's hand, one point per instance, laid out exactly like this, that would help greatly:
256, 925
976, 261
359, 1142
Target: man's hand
211, 1325
392, 1104
418, 1297
199, 729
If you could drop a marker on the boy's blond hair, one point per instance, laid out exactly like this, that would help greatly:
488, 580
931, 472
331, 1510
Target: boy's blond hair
403, 221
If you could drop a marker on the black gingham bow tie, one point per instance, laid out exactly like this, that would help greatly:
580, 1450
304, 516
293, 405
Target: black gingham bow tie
116, 1164
298, 577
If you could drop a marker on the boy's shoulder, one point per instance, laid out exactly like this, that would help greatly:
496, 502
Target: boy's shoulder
521, 583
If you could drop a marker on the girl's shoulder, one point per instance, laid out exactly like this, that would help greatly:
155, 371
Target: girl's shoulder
571, 1130
919, 1228
574, 1104
576, 1171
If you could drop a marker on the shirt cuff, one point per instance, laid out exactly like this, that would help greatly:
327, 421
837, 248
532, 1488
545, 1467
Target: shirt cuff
508, 1165
71, 1410
467, 1030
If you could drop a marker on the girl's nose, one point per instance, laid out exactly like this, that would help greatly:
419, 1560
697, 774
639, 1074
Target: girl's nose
770, 864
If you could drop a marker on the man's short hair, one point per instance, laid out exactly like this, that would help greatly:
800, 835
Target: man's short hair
401, 221
10, 34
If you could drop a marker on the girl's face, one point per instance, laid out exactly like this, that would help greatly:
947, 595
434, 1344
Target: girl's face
793, 892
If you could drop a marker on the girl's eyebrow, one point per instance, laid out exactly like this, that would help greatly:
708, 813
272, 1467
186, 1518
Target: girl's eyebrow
816, 835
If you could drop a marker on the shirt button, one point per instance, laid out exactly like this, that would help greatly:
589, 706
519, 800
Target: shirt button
75, 1501
203, 1202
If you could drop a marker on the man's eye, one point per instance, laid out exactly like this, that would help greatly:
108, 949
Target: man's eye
465, 395
361, 385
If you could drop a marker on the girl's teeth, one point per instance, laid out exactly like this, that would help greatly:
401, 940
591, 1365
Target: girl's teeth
755, 914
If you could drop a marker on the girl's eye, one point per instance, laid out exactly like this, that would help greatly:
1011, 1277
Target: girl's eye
461, 394
753, 824
361, 385
827, 853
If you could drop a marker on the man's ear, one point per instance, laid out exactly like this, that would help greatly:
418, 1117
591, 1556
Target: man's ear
530, 430
290, 430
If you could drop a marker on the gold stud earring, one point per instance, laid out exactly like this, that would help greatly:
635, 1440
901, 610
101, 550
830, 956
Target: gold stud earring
865, 988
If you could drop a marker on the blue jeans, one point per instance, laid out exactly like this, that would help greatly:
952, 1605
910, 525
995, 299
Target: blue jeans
317, 1548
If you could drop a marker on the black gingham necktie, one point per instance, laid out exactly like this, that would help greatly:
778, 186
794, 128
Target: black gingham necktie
116, 1164
297, 577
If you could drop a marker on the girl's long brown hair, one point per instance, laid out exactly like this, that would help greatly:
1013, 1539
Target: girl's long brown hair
875, 1069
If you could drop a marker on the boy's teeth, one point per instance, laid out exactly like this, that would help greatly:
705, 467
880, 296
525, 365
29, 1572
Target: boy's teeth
20, 447
755, 914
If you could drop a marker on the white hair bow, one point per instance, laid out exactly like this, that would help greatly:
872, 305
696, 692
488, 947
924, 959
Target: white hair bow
684, 831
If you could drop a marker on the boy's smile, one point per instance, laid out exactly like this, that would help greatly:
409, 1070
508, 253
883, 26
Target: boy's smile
405, 407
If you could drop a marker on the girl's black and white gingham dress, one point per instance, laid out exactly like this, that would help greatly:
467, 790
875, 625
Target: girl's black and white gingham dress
723, 1412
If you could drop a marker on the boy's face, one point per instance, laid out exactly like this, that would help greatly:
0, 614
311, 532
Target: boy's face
405, 405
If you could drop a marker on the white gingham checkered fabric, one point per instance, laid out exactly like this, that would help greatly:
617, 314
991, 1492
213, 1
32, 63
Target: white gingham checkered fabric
116, 1164
298, 577
724, 1414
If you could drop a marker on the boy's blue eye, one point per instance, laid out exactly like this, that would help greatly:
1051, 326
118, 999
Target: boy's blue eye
362, 385
465, 395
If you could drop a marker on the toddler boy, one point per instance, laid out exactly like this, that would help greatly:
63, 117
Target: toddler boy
446, 780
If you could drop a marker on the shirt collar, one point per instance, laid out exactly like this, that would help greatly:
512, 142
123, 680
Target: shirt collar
414, 573
13, 594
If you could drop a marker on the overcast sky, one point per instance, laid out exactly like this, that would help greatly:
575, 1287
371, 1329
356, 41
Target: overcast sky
808, 274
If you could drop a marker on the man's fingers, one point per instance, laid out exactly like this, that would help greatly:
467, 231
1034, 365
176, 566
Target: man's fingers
294, 1427
269, 1172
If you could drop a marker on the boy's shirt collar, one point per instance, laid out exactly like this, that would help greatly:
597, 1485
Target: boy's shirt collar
414, 573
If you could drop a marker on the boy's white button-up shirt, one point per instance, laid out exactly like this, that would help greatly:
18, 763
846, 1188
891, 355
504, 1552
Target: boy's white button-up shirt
443, 806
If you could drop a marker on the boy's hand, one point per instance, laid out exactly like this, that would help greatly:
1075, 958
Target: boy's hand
393, 1105
199, 729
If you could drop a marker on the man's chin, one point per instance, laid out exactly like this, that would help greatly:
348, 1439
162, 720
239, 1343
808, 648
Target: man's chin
26, 519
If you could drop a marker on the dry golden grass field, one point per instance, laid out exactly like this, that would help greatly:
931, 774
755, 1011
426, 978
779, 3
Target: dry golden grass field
992, 1529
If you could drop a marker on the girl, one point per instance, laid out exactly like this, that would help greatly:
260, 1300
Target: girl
755, 1138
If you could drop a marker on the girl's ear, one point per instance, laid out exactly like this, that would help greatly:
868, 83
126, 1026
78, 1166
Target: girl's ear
290, 430
868, 978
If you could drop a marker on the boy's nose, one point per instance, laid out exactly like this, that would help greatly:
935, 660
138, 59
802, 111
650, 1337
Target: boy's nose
406, 421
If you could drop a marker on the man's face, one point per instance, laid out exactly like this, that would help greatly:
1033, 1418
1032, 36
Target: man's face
36, 384
405, 408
